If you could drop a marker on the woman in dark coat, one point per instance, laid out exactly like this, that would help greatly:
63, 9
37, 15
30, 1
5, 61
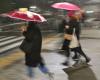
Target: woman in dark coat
33, 39
74, 23
67, 30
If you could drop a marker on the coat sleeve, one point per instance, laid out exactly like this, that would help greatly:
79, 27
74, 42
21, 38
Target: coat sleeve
27, 36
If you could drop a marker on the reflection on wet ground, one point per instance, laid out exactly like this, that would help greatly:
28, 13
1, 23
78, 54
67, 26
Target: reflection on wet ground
80, 72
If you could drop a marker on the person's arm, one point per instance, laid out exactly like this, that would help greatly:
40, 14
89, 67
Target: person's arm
26, 34
24, 31
23, 28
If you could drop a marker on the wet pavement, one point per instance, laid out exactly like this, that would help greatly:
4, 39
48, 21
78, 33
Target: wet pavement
12, 65
91, 33
16, 70
87, 72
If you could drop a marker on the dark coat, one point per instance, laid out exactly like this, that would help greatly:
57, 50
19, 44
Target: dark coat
34, 38
73, 24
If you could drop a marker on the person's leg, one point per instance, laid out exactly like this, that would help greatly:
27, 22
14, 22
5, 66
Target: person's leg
76, 55
30, 72
46, 71
63, 46
43, 68
80, 51
67, 54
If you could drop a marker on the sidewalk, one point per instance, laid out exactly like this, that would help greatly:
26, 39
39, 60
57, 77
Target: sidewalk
90, 33
17, 70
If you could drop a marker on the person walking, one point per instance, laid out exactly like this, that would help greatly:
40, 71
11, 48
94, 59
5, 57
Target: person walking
32, 44
78, 50
74, 23
68, 31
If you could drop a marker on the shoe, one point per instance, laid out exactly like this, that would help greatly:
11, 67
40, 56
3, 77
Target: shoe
65, 63
88, 60
62, 52
76, 58
50, 76
43, 69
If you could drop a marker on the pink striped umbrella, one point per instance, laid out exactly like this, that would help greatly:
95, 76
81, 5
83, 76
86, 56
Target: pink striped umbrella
26, 16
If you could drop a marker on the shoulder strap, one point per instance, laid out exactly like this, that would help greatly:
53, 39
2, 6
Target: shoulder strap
73, 30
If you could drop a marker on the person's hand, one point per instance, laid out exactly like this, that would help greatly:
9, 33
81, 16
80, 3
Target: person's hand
66, 27
23, 28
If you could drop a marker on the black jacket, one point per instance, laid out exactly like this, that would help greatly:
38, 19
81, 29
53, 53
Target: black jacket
34, 38
74, 24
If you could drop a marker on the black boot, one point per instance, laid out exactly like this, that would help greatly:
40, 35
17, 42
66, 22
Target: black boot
88, 60
76, 57
65, 63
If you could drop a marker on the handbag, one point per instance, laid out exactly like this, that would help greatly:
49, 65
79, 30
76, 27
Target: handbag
74, 42
26, 46
68, 36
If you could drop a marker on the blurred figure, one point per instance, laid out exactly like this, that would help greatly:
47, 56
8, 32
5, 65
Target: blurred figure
78, 50
32, 44
62, 24
68, 31
73, 22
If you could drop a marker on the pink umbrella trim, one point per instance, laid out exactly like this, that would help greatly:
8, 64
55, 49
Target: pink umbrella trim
27, 16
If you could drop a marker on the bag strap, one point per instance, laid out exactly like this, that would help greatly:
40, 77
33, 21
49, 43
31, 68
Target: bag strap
73, 31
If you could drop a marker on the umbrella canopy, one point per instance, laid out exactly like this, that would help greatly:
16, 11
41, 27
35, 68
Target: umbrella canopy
65, 5
24, 14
